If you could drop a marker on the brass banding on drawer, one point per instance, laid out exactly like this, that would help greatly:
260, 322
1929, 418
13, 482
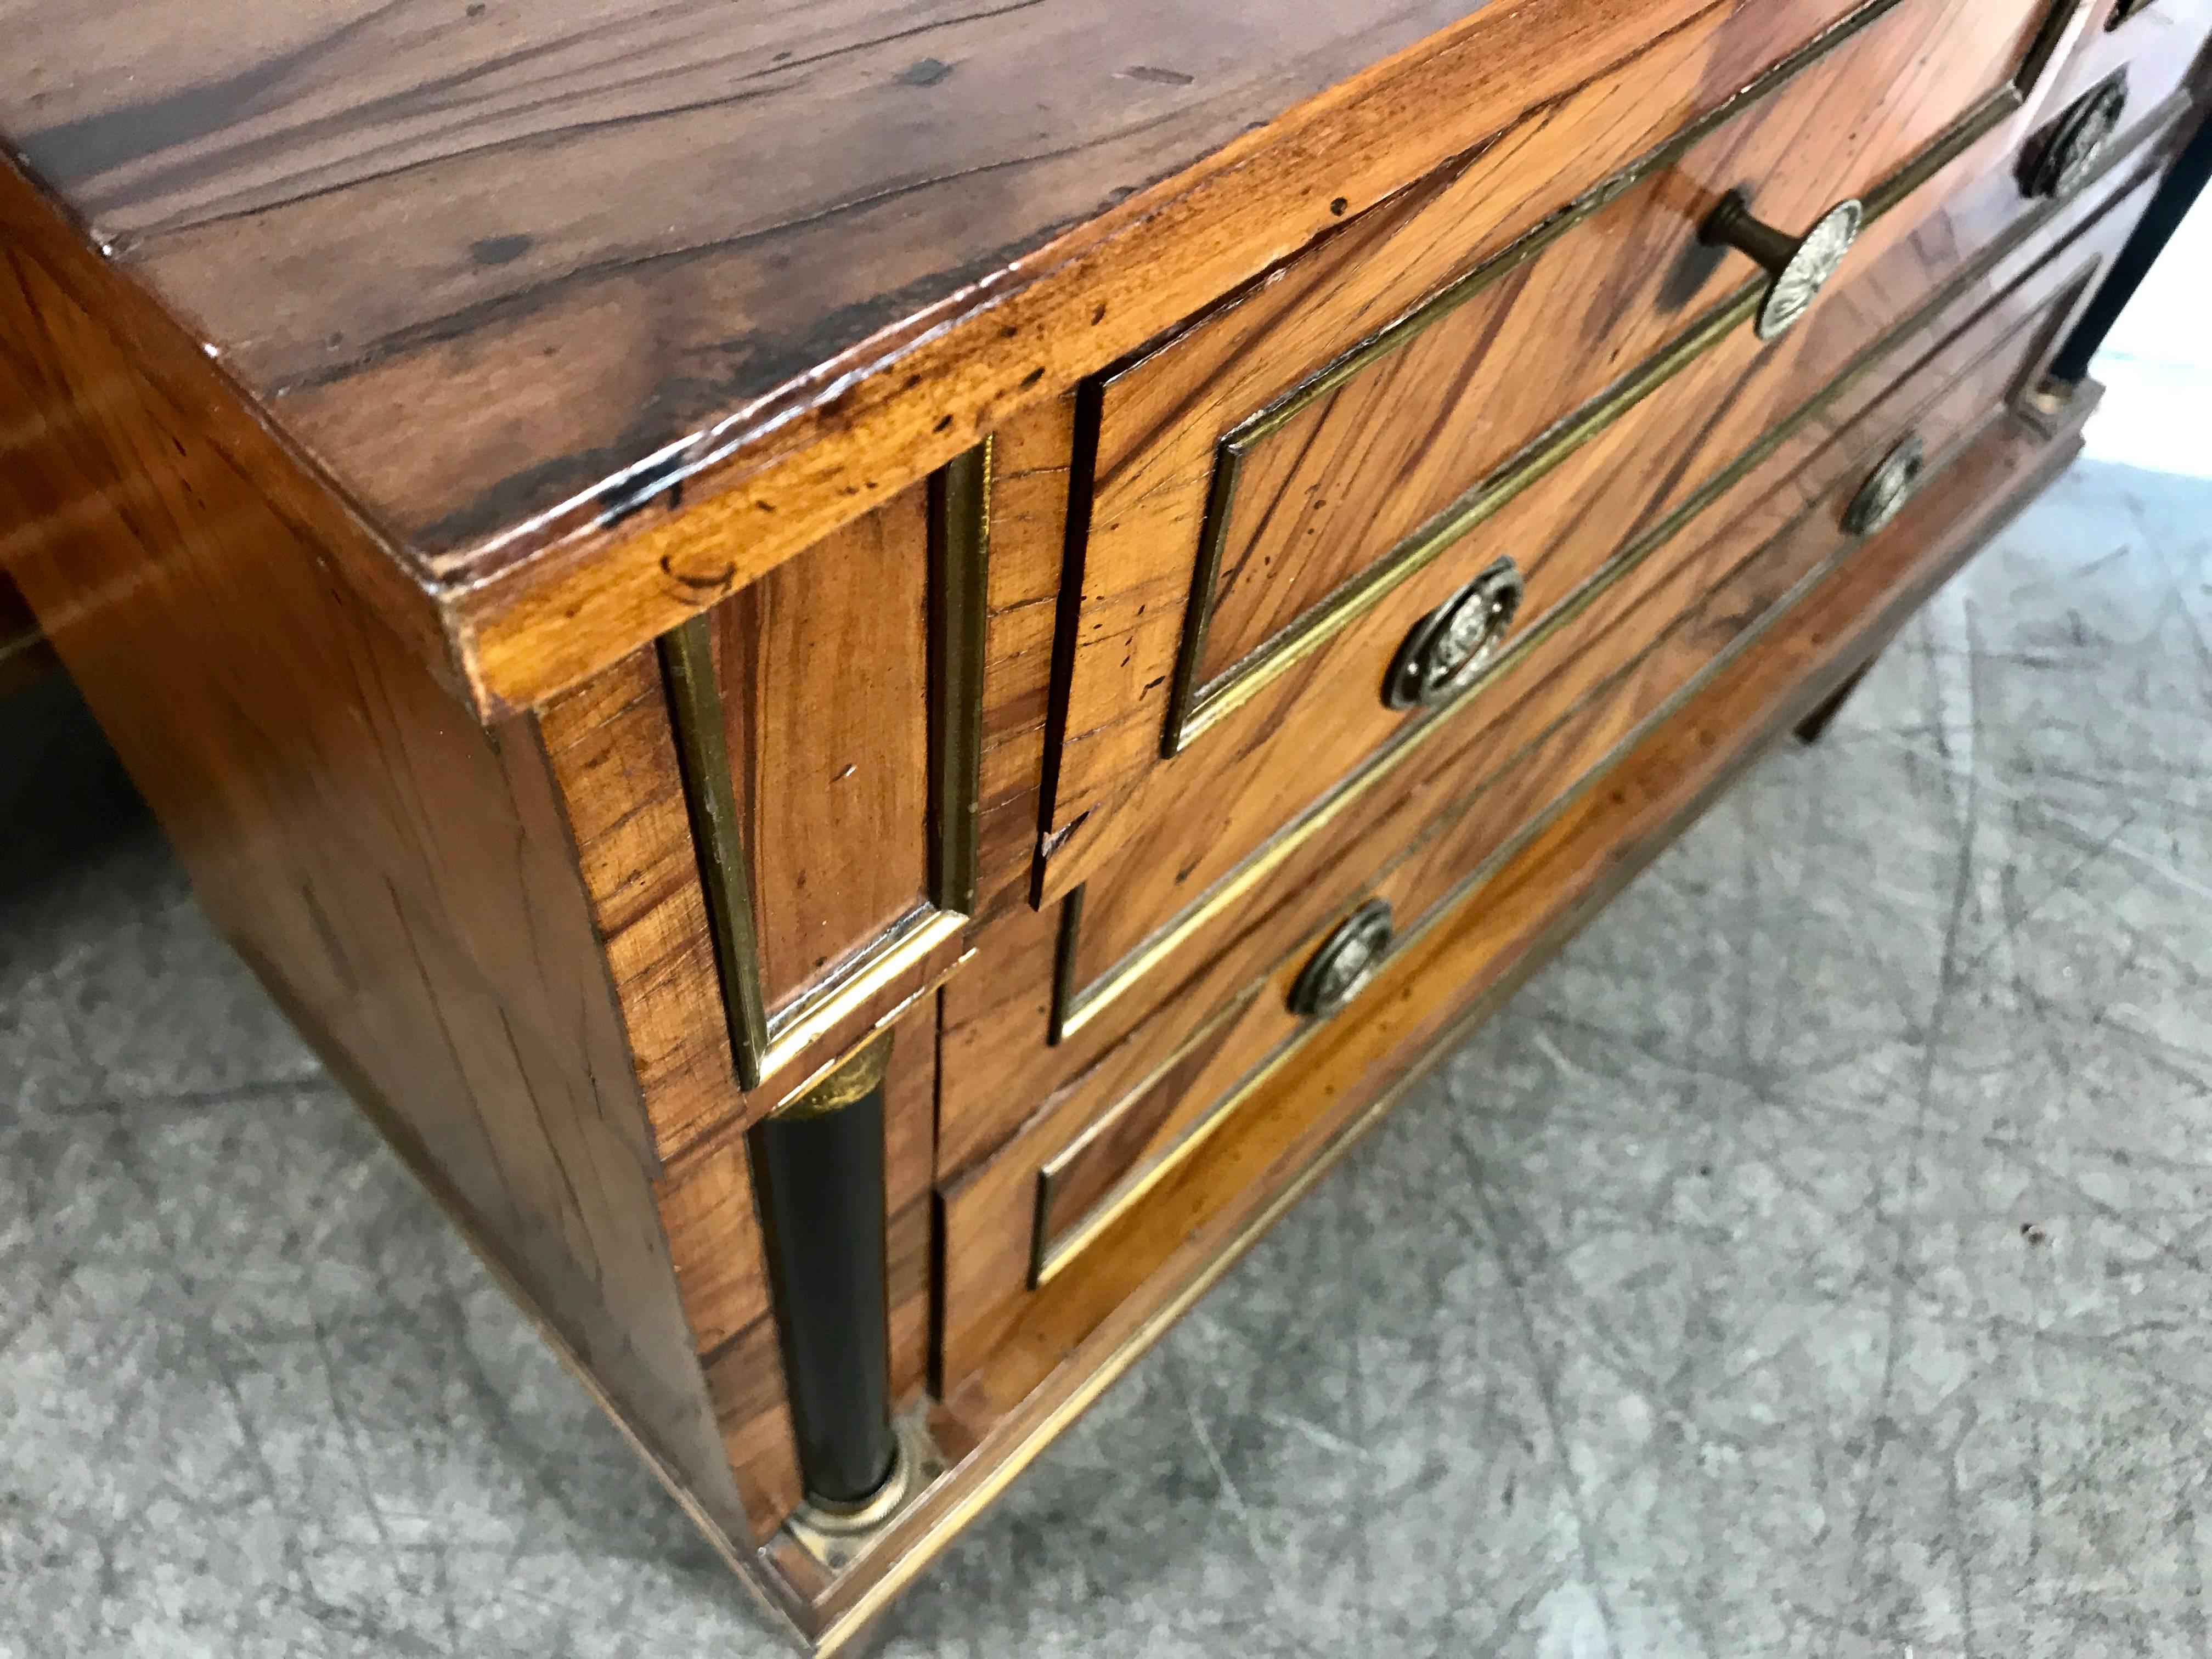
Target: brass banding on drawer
1200, 702
1132, 1145
1082, 994
1205, 689
1155, 1129
1217, 569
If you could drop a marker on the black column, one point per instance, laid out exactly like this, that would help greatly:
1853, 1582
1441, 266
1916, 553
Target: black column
2176, 196
819, 1171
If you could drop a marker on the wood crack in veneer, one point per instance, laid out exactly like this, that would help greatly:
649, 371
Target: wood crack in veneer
873, 672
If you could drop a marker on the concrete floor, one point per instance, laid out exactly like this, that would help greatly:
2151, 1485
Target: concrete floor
1812, 1261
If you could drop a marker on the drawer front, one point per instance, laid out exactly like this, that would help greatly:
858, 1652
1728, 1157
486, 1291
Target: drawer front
1263, 479
1151, 908
1149, 1104
1149, 904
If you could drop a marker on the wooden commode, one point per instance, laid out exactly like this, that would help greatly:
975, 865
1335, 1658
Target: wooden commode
874, 675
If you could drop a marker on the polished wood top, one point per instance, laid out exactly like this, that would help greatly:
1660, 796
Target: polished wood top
478, 257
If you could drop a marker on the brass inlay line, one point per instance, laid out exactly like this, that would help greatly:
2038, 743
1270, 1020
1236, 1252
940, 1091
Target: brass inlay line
1194, 707
959, 600
1063, 965
1355, 598
702, 745
762, 1043
1040, 1268
852, 1079
1074, 1009
1054, 1259
910, 942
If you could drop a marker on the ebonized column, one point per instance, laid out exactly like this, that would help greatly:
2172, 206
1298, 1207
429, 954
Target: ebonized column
819, 1171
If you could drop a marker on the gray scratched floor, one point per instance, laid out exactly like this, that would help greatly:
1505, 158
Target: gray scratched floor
1814, 1261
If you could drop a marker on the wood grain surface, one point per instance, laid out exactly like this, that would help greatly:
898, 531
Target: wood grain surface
614, 761
483, 266
1580, 854
1026, 1206
1327, 493
1309, 1115
824, 671
1000, 1071
1433, 426
402, 880
1144, 861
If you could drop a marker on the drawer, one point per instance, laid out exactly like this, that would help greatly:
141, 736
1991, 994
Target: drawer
1150, 909
1149, 1104
1261, 481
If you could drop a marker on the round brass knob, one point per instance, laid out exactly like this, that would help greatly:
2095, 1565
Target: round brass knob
2063, 166
1887, 489
1346, 961
1445, 648
1800, 266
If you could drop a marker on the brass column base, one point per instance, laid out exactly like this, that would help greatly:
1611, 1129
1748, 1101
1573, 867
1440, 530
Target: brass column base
837, 1536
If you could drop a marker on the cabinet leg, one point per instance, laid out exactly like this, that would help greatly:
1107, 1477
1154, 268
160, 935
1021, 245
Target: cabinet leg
818, 1173
1815, 725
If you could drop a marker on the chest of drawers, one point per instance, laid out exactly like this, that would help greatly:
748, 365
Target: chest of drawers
874, 676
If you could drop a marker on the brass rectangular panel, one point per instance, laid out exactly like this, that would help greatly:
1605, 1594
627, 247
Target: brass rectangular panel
1079, 998
1199, 700
1171, 1114
767, 1034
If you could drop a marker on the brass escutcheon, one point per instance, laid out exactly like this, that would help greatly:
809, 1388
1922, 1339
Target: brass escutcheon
1888, 488
1346, 961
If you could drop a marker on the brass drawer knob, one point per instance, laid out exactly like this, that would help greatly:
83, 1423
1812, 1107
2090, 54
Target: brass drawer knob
1887, 489
1800, 266
1346, 961
1447, 646
2068, 157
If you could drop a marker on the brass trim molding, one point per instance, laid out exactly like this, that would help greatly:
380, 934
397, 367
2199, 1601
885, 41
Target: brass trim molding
959, 602
1075, 1006
1045, 1248
1050, 1259
850, 1079
1194, 707
702, 748
909, 943
762, 1042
